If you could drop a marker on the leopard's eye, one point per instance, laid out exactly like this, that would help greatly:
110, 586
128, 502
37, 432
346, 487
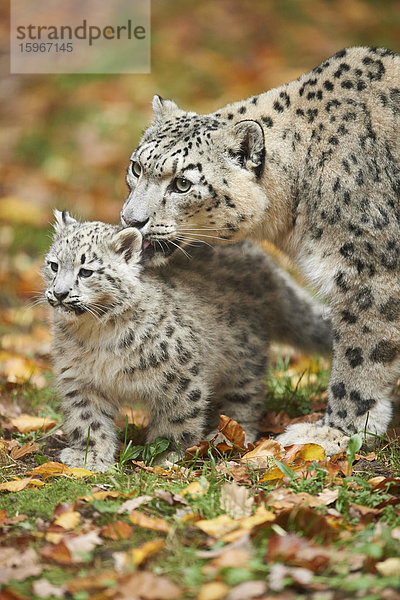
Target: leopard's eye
182, 185
85, 273
136, 168
54, 267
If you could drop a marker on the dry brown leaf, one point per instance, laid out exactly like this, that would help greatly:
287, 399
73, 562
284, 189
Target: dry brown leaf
91, 582
223, 524
101, 495
133, 503
298, 551
140, 554
18, 565
26, 423
44, 589
170, 498
147, 586
284, 498
16, 485
82, 544
60, 553
274, 422
142, 520
235, 500
118, 530
51, 469
248, 590
27, 448
263, 454
239, 473
231, 557
310, 523
231, 429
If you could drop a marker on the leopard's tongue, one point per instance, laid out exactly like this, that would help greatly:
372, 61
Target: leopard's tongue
146, 244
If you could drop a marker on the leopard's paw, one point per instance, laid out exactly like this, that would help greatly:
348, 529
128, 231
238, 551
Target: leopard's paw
95, 461
332, 440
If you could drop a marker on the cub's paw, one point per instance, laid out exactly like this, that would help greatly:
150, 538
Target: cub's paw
94, 461
332, 440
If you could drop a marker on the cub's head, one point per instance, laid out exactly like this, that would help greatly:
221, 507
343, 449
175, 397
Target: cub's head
195, 178
91, 268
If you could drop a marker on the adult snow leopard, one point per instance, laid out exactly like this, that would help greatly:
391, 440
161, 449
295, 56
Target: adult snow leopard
188, 343
314, 167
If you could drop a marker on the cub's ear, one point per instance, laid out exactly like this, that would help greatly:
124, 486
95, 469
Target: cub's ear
249, 146
163, 108
127, 242
62, 220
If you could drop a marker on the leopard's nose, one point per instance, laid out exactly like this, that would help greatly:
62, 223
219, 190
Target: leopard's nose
61, 295
137, 224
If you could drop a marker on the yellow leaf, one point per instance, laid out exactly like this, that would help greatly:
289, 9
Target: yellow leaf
101, 495
26, 423
78, 472
143, 520
194, 489
312, 452
272, 474
219, 526
262, 515
214, 590
140, 554
54, 538
51, 469
68, 519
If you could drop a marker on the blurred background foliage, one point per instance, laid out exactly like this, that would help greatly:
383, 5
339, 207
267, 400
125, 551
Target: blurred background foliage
65, 140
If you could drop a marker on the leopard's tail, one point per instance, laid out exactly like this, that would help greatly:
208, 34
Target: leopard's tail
298, 319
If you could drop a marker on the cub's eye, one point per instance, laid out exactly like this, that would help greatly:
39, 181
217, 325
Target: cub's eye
54, 267
180, 184
85, 273
136, 168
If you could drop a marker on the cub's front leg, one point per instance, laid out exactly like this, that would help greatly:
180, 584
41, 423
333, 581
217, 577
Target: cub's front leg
366, 364
89, 426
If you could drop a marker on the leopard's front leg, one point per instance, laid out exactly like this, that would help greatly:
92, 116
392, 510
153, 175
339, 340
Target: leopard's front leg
366, 365
89, 426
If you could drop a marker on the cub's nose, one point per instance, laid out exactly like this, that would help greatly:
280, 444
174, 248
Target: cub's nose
60, 295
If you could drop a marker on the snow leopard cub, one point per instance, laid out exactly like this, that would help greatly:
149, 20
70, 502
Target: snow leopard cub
189, 340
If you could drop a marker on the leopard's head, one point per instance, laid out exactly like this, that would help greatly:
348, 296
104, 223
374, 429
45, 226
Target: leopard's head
193, 179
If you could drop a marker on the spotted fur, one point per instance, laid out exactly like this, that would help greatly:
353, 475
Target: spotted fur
188, 342
313, 166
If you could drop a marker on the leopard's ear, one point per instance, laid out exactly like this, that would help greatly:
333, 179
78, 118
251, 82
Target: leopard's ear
127, 242
63, 219
248, 146
163, 108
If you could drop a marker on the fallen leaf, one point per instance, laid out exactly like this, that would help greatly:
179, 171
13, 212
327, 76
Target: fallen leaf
310, 523
82, 544
91, 582
19, 210
142, 520
248, 590
147, 586
60, 553
279, 574
195, 489
101, 495
51, 469
16, 485
27, 448
231, 429
118, 530
68, 519
284, 498
140, 554
389, 567
170, 498
300, 552
262, 454
274, 422
231, 557
26, 423
78, 472
214, 590
44, 589
133, 503
18, 565
235, 500
223, 524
